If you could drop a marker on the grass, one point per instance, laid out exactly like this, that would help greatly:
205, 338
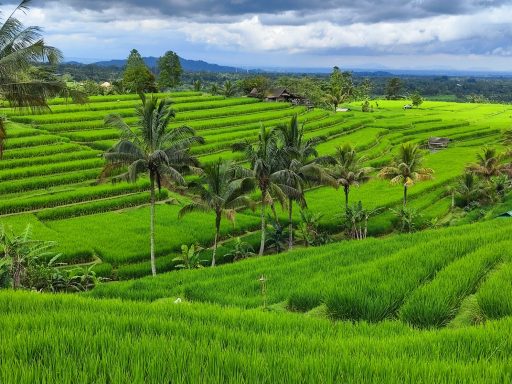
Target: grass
436, 303
113, 341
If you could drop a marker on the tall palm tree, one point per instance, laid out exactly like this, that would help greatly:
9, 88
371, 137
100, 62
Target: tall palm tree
22, 48
153, 150
406, 168
348, 169
217, 191
489, 163
266, 164
299, 157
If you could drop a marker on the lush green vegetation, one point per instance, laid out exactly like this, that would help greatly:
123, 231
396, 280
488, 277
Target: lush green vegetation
196, 338
52, 174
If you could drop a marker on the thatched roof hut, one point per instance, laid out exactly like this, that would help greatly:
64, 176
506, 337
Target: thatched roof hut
438, 142
279, 94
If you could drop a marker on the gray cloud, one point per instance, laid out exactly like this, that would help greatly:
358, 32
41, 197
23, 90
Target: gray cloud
290, 11
280, 30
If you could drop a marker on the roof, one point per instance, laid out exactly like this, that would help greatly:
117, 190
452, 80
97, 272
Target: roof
506, 214
277, 92
439, 140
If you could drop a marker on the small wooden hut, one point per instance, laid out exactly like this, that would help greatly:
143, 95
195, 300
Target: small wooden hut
438, 143
280, 94
254, 93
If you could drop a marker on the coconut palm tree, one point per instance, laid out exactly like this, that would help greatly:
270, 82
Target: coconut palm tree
22, 83
228, 89
469, 189
406, 168
217, 191
339, 95
348, 169
266, 164
299, 157
152, 150
489, 163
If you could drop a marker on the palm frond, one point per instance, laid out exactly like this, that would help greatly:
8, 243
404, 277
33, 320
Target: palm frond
193, 207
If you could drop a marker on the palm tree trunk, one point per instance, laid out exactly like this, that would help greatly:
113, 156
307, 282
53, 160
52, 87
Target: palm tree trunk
405, 195
273, 208
263, 227
217, 231
16, 265
152, 224
290, 224
346, 190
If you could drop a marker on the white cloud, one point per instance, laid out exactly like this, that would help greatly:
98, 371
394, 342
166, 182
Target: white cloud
252, 34
283, 39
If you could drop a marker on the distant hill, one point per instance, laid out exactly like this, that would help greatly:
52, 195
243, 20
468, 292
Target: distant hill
188, 65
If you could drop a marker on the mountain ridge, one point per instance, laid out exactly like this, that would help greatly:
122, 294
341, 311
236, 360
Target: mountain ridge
188, 65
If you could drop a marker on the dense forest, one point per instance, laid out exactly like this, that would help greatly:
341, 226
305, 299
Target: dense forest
445, 88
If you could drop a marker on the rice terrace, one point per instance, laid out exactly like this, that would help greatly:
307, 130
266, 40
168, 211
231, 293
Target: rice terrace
175, 221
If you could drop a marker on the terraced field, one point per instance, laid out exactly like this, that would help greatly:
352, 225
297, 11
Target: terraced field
432, 306
49, 172
406, 308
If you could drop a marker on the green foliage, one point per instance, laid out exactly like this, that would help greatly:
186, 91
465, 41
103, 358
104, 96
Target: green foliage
393, 88
228, 89
152, 150
366, 107
276, 235
341, 88
309, 230
190, 258
407, 218
416, 99
169, 70
197, 84
260, 83
222, 192
348, 169
137, 78
406, 168
356, 220
240, 250
30, 264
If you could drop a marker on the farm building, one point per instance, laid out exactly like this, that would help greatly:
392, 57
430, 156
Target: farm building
280, 94
438, 142
254, 93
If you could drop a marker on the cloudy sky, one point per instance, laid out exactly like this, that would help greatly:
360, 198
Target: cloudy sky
399, 34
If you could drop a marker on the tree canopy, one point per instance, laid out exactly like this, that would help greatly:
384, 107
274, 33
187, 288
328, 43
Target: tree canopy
137, 77
169, 70
393, 88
